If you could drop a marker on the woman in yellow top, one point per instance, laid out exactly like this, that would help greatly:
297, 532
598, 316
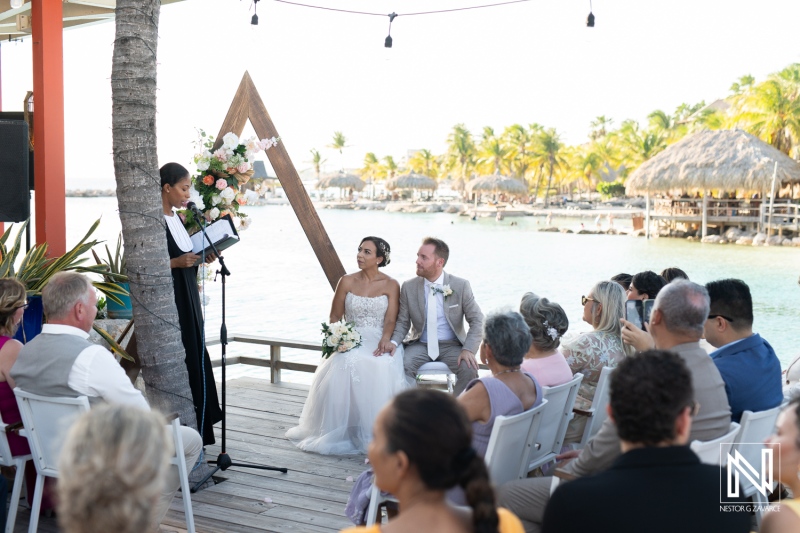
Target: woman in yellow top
786, 458
422, 446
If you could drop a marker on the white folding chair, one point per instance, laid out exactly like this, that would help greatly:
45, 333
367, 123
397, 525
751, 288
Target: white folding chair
180, 461
714, 451
375, 501
510, 444
46, 421
437, 368
19, 461
755, 427
555, 419
596, 414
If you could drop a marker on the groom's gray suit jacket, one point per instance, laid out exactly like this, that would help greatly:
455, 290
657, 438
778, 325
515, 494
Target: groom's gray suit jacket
458, 307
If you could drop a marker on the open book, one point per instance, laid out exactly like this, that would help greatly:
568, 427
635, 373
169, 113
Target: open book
221, 232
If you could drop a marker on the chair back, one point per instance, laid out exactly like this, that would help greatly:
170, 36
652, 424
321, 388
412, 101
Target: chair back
6, 459
555, 419
46, 421
510, 443
598, 409
755, 427
712, 452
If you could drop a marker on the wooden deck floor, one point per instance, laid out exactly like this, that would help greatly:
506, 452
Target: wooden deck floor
310, 497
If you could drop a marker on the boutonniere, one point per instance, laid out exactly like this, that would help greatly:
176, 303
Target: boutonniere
444, 290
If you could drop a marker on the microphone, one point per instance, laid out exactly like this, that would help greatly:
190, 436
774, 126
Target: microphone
199, 217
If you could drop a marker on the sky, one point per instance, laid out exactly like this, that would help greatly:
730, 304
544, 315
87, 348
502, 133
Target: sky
320, 71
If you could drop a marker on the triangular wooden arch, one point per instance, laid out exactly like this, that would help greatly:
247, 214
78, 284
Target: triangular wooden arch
247, 104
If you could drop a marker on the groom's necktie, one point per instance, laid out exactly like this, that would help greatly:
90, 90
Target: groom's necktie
433, 324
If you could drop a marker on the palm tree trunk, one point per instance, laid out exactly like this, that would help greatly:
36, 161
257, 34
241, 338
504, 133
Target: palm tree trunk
538, 183
549, 182
133, 93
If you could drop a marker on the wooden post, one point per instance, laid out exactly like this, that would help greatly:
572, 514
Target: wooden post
274, 363
647, 215
48, 123
704, 230
247, 104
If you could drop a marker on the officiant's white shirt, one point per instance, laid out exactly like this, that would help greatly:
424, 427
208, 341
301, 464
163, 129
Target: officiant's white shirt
444, 331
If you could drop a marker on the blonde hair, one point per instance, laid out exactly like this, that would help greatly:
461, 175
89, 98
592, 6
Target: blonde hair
112, 470
12, 296
611, 296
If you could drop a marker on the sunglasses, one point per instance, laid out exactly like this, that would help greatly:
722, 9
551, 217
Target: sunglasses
720, 316
585, 299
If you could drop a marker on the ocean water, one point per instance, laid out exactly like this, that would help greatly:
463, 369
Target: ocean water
278, 289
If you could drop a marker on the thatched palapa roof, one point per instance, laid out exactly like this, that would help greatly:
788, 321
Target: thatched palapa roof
341, 180
723, 159
411, 181
497, 183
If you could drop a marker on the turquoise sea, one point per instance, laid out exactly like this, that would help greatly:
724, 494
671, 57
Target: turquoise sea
278, 289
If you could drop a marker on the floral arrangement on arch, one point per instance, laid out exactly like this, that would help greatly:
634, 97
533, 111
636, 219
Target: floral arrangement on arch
217, 186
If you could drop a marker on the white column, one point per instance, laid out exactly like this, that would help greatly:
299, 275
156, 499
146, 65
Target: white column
704, 230
647, 215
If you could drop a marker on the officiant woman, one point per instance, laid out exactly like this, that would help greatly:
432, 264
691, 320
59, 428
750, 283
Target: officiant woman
175, 186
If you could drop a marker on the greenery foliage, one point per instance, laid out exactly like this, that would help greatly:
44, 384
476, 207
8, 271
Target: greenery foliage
611, 190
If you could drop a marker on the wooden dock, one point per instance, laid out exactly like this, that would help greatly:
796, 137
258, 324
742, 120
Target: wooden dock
311, 497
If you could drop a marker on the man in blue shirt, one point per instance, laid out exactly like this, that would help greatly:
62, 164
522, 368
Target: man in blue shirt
747, 363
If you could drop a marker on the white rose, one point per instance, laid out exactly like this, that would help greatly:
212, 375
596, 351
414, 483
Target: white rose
251, 196
214, 213
202, 164
230, 141
228, 194
194, 196
245, 223
215, 199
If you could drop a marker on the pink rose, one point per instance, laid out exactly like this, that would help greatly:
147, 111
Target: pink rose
241, 199
243, 167
221, 184
221, 154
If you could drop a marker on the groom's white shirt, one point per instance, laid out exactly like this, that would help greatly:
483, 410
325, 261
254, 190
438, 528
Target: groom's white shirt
444, 331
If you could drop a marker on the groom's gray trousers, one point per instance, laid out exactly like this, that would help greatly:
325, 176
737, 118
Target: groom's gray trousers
416, 355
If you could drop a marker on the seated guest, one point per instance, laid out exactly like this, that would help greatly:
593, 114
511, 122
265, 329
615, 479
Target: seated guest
547, 322
111, 470
645, 286
673, 273
623, 279
509, 390
13, 301
679, 312
786, 459
589, 352
747, 363
650, 404
61, 361
421, 448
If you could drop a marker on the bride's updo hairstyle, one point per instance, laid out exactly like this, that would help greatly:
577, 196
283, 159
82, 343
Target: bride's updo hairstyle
172, 173
382, 249
433, 430
547, 321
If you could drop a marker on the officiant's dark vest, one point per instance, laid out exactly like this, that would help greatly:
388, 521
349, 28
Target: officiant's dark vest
44, 364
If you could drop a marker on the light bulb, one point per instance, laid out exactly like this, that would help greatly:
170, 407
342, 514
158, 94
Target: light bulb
16, 4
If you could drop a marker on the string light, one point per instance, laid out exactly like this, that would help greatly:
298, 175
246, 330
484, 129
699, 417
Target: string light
16, 4
388, 42
254, 20
590, 18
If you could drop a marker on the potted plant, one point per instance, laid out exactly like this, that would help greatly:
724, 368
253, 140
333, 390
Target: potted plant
116, 275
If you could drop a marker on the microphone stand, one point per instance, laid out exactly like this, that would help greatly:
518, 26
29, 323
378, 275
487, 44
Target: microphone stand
223, 461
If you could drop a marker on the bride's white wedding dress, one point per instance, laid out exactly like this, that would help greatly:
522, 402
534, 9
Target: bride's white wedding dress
349, 389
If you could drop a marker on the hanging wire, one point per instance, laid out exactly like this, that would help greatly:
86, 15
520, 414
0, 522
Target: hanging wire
402, 14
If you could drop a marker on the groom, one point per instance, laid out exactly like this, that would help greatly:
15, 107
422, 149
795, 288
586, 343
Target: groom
433, 307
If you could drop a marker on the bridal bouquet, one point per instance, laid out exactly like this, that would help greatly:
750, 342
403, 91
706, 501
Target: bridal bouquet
339, 337
221, 174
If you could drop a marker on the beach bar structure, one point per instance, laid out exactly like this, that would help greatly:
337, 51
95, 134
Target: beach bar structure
727, 162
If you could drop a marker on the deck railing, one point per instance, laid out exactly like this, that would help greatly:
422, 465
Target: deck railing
273, 361
783, 214
717, 208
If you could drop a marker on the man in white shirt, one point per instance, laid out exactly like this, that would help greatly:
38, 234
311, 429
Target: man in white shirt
448, 341
61, 361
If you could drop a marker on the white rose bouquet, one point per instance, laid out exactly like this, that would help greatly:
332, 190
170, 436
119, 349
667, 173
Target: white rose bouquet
339, 337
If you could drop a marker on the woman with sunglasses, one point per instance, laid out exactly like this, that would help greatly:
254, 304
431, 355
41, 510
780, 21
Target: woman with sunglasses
589, 352
13, 301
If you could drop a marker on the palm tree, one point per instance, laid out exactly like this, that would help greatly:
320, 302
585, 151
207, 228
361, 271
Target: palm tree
133, 92
491, 153
637, 145
372, 167
461, 150
520, 147
599, 127
743, 85
425, 163
550, 147
389, 167
339, 143
586, 161
316, 160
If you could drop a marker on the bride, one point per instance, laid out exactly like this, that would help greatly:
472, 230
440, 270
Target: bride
350, 388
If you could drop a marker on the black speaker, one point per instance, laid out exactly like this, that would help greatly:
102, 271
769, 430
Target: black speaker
15, 199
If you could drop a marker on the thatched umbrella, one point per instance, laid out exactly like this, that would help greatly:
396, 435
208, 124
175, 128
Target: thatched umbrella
342, 181
411, 181
497, 183
724, 159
